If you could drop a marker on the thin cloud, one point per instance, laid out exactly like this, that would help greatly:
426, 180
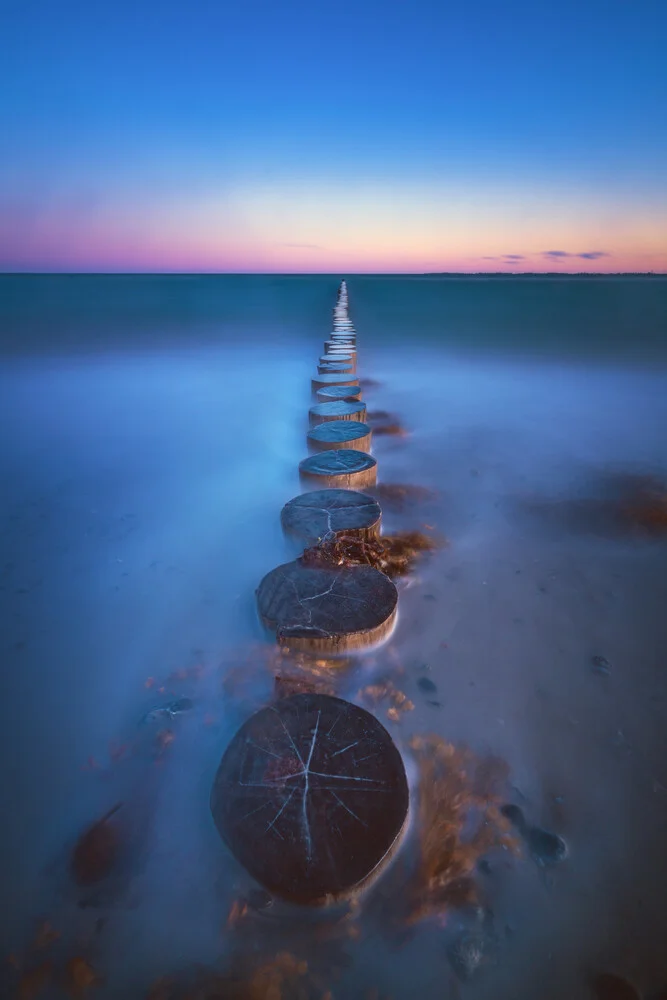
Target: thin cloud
587, 255
507, 258
301, 246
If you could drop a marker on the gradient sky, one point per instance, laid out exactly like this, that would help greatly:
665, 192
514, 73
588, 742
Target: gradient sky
251, 135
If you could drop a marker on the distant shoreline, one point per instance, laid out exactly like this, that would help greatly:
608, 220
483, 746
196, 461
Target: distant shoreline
334, 274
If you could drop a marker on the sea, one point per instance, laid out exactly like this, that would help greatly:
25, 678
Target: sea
151, 428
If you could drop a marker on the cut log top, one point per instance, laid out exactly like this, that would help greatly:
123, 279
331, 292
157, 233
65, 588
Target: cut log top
340, 434
327, 608
339, 357
331, 367
321, 381
311, 796
341, 467
348, 393
330, 346
311, 515
338, 410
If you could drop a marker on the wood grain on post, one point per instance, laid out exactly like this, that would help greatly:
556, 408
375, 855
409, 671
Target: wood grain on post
340, 434
348, 393
311, 516
321, 381
338, 410
342, 468
339, 359
311, 797
327, 609
335, 368
331, 345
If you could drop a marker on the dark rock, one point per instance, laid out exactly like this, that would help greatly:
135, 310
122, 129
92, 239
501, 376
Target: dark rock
545, 848
96, 851
607, 986
169, 711
600, 665
311, 796
426, 685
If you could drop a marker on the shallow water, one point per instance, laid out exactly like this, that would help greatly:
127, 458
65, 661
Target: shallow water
141, 483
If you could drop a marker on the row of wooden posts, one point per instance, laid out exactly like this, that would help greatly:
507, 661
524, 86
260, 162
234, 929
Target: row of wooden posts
319, 610
311, 795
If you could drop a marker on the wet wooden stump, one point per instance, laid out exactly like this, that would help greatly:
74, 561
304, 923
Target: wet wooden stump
342, 467
321, 381
311, 797
327, 609
311, 516
335, 368
340, 359
340, 434
333, 347
348, 393
338, 410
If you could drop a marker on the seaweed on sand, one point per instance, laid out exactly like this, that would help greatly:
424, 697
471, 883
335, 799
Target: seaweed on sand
248, 669
459, 820
385, 423
394, 555
284, 977
644, 503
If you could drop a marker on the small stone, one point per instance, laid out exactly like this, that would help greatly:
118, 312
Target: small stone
426, 685
546, 848
607, 986
600, 665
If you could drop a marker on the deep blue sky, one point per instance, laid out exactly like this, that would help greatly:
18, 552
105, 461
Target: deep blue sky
267, 136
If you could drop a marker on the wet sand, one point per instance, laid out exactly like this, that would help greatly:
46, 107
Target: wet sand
135, 531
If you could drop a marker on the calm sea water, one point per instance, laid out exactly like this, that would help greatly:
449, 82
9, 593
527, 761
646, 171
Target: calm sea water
150, 431
620, 316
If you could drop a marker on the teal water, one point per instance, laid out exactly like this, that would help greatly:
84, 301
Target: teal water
621, 317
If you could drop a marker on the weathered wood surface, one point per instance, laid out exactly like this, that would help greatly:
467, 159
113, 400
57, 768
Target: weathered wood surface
343, 467
349, 393
340, 434
338, 410
311, 516
331, 345
335, 368
330, 609
320, 381
311, 797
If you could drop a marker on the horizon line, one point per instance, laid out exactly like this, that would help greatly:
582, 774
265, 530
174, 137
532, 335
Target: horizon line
298, 274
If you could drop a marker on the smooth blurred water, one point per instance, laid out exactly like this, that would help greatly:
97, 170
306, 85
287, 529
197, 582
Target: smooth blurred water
150, 432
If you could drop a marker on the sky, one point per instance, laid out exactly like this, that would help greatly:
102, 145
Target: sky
374, 136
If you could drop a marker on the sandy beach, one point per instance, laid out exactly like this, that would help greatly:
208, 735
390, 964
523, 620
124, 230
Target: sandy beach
141, 495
